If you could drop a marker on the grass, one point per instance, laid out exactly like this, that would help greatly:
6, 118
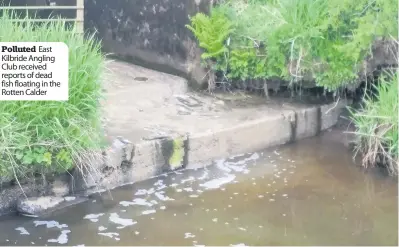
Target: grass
47, 137
377, 125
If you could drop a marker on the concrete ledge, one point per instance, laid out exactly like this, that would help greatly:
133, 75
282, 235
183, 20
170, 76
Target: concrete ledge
128, 163
246, 137
308, 122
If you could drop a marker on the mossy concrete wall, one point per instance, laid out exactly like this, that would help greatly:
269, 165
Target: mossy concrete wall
149, 33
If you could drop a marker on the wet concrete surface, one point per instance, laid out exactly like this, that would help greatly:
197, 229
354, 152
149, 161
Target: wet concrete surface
307, 193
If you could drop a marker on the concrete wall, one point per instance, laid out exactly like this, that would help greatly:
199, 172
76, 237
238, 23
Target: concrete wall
150, 33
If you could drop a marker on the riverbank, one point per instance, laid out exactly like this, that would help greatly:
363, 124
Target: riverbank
263, 45
154, 124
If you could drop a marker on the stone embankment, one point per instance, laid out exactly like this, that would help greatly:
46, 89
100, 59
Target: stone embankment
155, 124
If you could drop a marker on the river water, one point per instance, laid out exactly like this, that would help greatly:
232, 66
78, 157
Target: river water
308, 193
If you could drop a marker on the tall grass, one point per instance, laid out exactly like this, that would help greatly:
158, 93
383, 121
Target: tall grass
45, 137
377, 125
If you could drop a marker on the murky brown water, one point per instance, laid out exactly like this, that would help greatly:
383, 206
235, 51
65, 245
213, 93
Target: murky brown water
309, 193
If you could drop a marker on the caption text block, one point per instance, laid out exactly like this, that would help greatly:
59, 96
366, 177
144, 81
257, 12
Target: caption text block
33, 71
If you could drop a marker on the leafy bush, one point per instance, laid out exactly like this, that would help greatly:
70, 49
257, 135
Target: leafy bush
377, 125
298, 40
52, 136
212, 32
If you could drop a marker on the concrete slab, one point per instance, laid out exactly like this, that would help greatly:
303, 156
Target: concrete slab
144, 104
157, 124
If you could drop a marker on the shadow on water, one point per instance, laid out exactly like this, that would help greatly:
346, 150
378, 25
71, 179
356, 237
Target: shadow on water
307, 193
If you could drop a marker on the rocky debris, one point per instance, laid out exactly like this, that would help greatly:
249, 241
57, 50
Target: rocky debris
10, 194
38, 205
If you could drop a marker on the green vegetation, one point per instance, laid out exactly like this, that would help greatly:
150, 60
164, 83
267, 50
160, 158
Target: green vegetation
296, 40
377, 124
325, 42
45, 137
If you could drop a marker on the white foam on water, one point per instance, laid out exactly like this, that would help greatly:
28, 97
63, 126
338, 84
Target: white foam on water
162, 207
237, 245
163, 197
237, 156
162, 187
22, 231
238, 167
205, 175
188, 189
152, 211
221, 165
137, 201
93, 217
218, 182
179, 190
242, 229
189, 235
158, 183
62, 238
215, 219
190, 179
114, 217
109, 234
143, 192
49, 224
69, 198
102, 228
193, 196
174, 185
